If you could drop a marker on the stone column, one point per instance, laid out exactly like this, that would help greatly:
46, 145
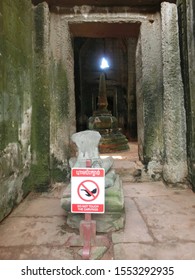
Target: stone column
131, 91
174, 120
191, 97
62, 120
40, 171
149, 90
139, 100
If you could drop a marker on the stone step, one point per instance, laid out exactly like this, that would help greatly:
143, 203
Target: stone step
128, 170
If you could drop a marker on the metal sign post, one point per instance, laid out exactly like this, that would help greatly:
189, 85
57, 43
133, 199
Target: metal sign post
87, 230
88, 196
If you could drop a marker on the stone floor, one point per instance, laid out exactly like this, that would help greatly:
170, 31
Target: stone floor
160, 224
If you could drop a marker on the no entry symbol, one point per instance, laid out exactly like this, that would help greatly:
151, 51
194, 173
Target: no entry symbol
88, 190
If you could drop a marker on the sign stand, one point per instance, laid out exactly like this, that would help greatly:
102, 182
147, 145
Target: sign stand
87, 230
88, 237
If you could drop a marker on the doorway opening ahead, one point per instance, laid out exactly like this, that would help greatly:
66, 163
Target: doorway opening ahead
116, 42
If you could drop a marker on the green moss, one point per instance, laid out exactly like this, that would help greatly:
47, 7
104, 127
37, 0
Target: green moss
44, 170
39, 27
8, 199
15, 90
2, 137
38, 180
61, 91
17, 23
40, 133
15, 66
153, 138
59, 115
58, 170
39, 177
24, 85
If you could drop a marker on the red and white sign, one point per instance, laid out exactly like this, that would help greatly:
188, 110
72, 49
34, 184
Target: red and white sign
87, 190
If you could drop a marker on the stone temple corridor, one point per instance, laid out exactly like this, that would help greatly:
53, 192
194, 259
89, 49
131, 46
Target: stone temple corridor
50, 72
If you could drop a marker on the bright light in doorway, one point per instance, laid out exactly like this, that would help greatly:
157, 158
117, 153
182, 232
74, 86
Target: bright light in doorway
104, 64
114, 157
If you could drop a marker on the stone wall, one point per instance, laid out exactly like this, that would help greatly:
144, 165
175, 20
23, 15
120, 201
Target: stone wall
131, 90
139, 99
174, 118
191, 109
160, 97
62, 114
39, 176
15, 100
53, 94
36, 111
186, 9
150, 90
158, 146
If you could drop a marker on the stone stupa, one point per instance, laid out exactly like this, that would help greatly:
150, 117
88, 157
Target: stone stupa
106, 124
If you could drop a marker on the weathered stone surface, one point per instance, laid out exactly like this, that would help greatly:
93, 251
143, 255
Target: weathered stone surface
87, 143
174, 119
161, 251
41, 252
172, 228
106, 222
62, 109
48, 206
39, 176
36, 229
186, 10
159, 223
15, 101
135, 227
42, 231
152, 206
149, 91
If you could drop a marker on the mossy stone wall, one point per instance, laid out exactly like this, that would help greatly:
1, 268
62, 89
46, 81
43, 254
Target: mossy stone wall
15, 100
51, 125
39, 176
34, 104
186, 10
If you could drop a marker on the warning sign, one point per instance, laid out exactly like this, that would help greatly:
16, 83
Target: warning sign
87, 190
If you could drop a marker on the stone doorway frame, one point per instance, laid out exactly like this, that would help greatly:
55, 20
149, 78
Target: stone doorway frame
159, 84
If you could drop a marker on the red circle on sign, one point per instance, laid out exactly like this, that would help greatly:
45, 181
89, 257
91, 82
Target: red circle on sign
92, 193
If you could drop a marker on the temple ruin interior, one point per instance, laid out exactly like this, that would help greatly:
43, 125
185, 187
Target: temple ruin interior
50, 58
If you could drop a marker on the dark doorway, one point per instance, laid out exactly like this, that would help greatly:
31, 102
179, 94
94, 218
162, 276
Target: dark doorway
120, 79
